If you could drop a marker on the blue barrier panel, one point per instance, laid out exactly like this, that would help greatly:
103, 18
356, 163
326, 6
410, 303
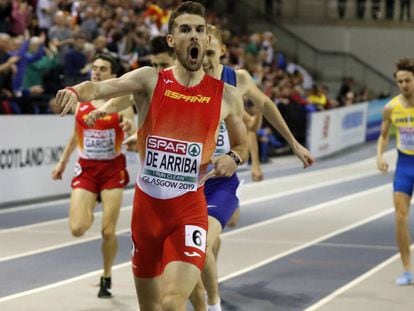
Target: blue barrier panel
374, 118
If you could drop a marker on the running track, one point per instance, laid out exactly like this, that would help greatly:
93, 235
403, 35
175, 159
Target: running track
315, 239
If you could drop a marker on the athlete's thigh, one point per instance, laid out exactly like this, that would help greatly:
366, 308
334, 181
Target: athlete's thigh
214, 231
111, 202
148, 292
82, 203
179, 278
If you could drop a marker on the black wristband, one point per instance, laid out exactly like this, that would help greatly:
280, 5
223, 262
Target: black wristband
234, 156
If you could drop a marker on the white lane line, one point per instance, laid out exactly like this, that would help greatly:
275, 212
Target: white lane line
52, 222
237, 273
61, 283
34, 206
222, 279
242, 203
305, 188
235, 231
306, 210
355, 282
303, 246
333, 245
57, 246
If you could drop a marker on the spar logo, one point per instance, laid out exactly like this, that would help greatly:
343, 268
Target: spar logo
194, 150
167, 145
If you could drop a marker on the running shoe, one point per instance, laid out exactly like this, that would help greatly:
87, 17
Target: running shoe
404, 279
105, 288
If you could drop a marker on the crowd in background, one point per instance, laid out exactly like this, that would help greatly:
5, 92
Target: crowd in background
46, 45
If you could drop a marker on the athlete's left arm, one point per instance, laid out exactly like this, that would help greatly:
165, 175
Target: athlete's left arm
272, 114
233, 102
252, 122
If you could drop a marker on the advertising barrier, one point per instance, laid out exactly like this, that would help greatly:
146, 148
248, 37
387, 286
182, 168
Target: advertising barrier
30, 147
333, 130
374, 118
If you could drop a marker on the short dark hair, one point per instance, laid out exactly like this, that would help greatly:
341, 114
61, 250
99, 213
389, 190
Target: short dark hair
187, 7
158, 44
404, 64
110, 59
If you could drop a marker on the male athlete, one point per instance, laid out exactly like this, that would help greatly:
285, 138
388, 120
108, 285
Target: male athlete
221, 193
100, 170
400, 113
178, 125
162, 56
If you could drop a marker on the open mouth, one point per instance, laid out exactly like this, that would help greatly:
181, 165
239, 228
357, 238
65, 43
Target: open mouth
194, 53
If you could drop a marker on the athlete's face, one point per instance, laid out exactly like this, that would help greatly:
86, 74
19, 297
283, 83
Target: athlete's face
214, 51
161, 61
405, 81
101, 70
189, 40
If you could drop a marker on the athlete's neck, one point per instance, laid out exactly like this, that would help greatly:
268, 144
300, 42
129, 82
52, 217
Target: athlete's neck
219, 72
186, 77
408, 101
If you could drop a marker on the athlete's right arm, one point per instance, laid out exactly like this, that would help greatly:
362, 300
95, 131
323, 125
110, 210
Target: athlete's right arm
135, 81
61, 165
383, 139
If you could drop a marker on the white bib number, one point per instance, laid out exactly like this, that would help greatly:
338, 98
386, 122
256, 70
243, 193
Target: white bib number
172, 164
195, 237
406, 138
223, 141
99, 144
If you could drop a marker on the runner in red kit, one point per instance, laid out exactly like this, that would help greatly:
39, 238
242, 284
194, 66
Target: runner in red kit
178, 125
100, 170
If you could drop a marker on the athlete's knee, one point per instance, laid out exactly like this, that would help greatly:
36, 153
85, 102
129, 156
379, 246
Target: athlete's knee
108, 234
173, 302
401, 215
77, 230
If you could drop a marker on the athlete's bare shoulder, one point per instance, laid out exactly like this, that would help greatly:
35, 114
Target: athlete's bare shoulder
244, 81
232, 99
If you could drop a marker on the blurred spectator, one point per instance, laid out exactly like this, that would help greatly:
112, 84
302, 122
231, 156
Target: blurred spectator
318, 98
45, 10
363, 95
100, 45
346, 86
5, 13
348, 99
74, 67
268, 48
19, 17
7, 69
33, 79
89, 24
297, 70
267, 141
28, 51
